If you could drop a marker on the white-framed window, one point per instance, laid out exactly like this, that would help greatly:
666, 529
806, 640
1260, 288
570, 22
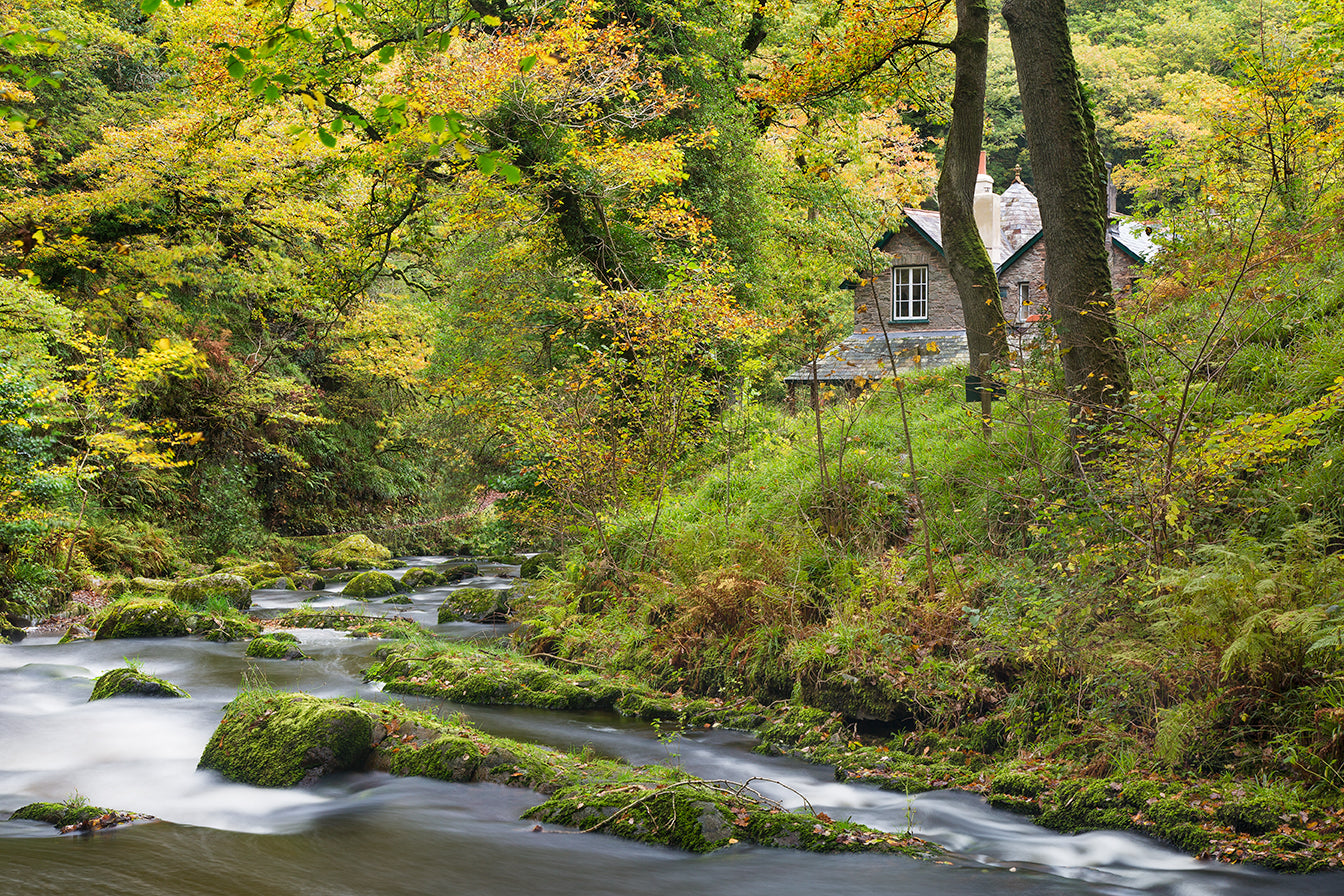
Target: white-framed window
910, 293
1023, 300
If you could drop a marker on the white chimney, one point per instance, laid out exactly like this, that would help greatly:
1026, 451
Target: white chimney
987, 213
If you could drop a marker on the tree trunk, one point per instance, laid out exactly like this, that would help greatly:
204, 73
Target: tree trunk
972, 269
1070, 185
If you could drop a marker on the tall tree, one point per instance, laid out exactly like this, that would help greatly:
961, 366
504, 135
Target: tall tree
1070, 184
972, 268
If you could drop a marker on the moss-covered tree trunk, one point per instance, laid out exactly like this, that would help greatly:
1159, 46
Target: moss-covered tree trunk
1070, 185
972, 269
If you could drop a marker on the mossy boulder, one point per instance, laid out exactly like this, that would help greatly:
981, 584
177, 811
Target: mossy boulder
371, 584
232, 625
420, 577
256, 573
457, 572
73, 815
129, 682
152, 586
534, 566
280, 740
309, 581
199, 591
143, 617
275, 646
483, 605
355, 552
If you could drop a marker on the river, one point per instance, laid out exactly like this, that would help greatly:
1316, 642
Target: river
373, 833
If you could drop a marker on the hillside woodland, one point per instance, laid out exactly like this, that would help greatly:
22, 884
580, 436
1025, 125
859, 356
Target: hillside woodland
475, 278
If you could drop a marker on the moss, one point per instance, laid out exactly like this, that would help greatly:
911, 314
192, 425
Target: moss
61, 815
481, 605
698, 817
420, 577
355, 552
282, 740
358, 624
534, 566
221, 585
1254, 815
368, 585
230, 625
256, 573
132, 682
309, 581
457, 572
139, 618
1019, 784
275, 646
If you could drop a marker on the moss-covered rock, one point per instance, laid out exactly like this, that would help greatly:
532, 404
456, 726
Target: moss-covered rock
152, 586
276, 646
451, 573
73, 815
139, 618
358, 624
355, 552
129, 682
280, 740
534, 566
256, 573
371, 584
199, 591
420, 577
280, 583
309, 581
483, 605
230, 625
699, 817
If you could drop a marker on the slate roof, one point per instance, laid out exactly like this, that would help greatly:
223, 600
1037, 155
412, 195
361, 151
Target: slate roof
1135, 238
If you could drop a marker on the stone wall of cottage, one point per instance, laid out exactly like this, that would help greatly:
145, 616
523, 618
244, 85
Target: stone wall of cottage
1029, 269
1124, 271
874, 297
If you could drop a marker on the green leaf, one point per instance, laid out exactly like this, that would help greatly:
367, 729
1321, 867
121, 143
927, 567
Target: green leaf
328, 139
272, 93
511, 173
492, 21
487, 162
445, 39
235, 67
527, 63
147, 7
385, 54
437, 124
258, 85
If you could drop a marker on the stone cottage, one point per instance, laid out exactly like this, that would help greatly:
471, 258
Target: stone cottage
917, 299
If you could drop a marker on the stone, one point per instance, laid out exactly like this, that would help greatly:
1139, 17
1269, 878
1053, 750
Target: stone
275, 646
371, 584
419, 577
128, 682
482, 605
283, 740
355, 552
144, 617
236, 589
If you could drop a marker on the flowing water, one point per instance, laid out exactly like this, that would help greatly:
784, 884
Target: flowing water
373, 833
